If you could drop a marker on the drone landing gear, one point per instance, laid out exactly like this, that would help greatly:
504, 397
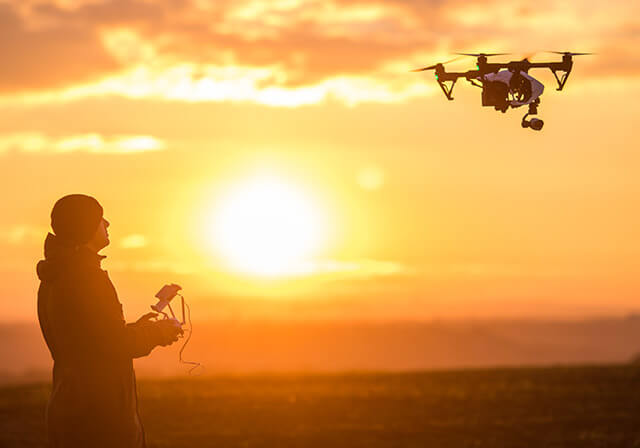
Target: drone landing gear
447, 89
534, 123
562, 79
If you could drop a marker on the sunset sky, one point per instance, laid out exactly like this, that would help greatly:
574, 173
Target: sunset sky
278, 158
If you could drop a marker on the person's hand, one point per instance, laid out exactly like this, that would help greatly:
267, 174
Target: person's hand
168, 331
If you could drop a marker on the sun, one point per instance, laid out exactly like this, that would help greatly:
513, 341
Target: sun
267, 227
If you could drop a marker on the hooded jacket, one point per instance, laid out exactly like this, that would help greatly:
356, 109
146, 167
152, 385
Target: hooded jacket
93, 400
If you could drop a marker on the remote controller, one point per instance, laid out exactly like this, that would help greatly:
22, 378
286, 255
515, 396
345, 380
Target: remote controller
165, 295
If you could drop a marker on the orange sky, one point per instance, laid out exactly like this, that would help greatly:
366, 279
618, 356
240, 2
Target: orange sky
429, 208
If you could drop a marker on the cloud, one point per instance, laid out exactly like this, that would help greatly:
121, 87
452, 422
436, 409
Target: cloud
93, 143
243, 84
287, 52
334, 269
22, 235
155, 266
362, 268
55, 57
135, 241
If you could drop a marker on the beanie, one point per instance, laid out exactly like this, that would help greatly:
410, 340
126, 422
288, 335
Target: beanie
75, 218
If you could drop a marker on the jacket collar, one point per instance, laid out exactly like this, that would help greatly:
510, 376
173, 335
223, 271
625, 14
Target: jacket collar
56, 250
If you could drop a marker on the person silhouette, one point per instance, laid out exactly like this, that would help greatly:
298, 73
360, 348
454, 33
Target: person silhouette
93, 401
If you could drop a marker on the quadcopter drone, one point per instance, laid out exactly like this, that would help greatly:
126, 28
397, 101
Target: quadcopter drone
506, 84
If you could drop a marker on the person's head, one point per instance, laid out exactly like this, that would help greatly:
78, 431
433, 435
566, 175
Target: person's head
77, 219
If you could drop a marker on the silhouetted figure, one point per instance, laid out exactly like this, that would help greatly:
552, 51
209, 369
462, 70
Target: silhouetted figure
93, 402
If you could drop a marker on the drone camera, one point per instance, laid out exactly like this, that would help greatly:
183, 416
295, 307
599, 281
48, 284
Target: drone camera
535, 123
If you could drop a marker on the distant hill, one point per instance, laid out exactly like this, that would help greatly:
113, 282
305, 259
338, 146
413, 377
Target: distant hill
246, 346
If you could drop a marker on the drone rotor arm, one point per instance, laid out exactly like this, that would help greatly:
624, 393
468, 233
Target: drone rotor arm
474, 83
442, 77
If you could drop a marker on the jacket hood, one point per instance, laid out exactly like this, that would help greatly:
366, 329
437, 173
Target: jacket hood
59, 256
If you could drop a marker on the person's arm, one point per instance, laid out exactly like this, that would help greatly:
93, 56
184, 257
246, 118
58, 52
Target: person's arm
89, 319
144, 330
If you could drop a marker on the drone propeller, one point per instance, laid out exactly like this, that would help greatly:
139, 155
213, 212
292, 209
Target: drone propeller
477, 55
530, 55
570, 53
432, 67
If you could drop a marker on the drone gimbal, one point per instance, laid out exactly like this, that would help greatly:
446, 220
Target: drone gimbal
534, 123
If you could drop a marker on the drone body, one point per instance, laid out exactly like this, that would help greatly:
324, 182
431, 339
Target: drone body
506, 84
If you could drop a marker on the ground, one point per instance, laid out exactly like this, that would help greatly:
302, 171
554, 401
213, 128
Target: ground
532, 407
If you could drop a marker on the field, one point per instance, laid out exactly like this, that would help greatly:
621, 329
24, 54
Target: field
537, 407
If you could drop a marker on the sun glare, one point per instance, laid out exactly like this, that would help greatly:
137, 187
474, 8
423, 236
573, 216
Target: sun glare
266, 227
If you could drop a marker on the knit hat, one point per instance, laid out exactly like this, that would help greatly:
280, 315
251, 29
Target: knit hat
75, 218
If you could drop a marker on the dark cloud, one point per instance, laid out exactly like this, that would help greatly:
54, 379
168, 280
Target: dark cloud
307, 56
68, 50
72, 53
52, 57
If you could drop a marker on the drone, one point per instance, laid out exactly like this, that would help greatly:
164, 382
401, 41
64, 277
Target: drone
506, 84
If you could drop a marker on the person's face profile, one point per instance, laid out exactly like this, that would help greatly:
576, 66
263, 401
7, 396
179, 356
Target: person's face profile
101, 238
